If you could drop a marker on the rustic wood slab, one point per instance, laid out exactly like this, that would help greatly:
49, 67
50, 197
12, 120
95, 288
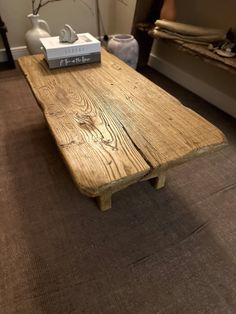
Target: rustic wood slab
113, 126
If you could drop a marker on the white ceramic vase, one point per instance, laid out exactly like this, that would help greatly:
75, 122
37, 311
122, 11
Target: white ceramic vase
125, 47
39, 30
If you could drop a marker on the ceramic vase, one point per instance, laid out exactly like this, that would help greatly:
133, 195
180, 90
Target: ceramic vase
39, 30
168, 10
125, 47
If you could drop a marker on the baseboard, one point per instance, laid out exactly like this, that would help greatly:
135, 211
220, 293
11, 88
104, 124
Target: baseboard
198, 87
23, 51
16, 53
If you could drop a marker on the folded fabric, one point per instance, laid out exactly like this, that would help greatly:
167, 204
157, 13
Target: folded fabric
202, 39
191, 32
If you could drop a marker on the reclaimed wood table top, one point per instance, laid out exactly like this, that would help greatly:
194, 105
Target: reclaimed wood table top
113, 126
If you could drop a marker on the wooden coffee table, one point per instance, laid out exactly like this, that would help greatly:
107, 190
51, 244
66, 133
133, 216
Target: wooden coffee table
114, 127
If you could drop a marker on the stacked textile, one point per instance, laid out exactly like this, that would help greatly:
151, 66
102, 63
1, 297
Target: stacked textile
217, 40
187, 33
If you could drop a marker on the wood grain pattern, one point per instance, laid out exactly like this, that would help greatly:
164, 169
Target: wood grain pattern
96, 149
113, 126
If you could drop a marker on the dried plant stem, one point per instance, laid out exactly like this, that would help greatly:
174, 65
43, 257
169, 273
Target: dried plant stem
42, 3
87, 6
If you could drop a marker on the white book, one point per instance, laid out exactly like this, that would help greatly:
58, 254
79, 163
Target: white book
54, 49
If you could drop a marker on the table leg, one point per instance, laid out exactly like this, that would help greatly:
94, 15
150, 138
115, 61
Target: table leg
159, 182
104, 201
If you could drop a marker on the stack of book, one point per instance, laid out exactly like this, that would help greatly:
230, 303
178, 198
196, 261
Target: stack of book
87, 49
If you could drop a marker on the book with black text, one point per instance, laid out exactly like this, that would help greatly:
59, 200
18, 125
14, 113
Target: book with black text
71, 61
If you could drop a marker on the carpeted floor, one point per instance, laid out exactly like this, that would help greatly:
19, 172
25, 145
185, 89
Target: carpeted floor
167, 251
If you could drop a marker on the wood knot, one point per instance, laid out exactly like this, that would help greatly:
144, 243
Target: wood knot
83, 120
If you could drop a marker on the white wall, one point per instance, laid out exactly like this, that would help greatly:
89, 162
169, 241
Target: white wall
211, 83
209, 13
117, 16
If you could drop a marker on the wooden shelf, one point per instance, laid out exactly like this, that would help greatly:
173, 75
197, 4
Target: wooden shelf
202, 51
146, 13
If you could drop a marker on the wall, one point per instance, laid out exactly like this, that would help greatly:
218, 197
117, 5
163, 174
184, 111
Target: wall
117, 16
211, 83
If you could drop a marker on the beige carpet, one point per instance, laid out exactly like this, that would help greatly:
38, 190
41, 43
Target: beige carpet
167, 251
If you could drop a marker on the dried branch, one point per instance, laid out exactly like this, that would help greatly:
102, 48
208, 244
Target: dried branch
86, 5
33, 2
42, 3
